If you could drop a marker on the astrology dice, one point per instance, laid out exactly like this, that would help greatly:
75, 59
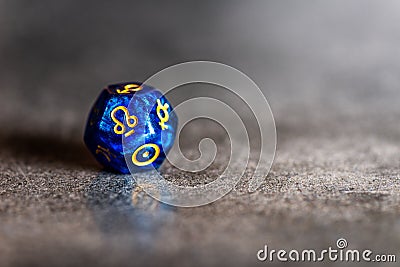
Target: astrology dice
130, 124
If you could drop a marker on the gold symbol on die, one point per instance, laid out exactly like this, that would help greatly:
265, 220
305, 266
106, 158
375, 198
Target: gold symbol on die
165, 118
130, 88
131, 121
145, 154
105, 152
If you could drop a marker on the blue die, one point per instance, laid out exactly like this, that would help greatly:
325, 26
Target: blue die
142, 116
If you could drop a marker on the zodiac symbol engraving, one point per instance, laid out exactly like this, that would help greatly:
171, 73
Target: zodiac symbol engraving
131, 121
145, 155
105, 152
130, 88
165, 118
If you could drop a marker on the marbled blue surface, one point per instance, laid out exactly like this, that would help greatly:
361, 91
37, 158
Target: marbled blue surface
105, 141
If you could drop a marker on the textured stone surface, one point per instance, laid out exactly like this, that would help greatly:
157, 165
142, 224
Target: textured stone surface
330, 73
58, 208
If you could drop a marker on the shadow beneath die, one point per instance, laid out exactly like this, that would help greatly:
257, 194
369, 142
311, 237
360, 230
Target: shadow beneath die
123, 209
46, 150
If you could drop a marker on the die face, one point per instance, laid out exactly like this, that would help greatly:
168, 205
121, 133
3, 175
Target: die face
134, 112
99, 136
155, 136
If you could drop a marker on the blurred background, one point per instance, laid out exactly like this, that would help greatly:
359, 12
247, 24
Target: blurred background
310, 58
329, 69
